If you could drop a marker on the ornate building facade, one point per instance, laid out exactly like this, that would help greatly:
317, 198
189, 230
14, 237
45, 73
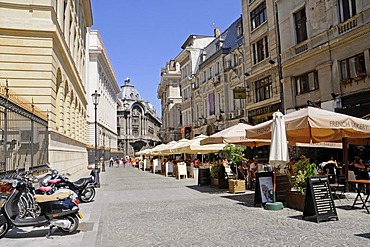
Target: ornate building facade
326, 54
261, 60
169, 93
43, 50
101, 77
138, 124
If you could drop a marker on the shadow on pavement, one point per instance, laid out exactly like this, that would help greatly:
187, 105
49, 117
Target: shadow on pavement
208, 189
242, 199
364, 235
35, 233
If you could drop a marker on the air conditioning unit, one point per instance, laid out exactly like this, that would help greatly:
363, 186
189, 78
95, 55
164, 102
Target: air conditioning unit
25, 136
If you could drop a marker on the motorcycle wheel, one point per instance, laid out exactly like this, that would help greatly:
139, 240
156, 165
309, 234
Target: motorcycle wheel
88, 194
74, 224
4, 228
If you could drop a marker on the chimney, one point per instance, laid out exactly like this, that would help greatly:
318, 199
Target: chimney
217, 32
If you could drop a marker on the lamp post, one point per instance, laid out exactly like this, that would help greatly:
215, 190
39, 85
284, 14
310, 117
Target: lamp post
95, 97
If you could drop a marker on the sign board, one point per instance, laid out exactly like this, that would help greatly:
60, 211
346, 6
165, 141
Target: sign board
204, 176
319, 200
240, 93
264, 190
181, 170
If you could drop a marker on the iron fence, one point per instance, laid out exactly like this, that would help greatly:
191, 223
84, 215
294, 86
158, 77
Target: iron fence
24, 136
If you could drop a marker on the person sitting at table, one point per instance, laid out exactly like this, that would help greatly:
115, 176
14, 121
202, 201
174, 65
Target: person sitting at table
358, 168
330, 169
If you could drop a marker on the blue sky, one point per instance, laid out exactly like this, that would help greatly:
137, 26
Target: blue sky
142, 35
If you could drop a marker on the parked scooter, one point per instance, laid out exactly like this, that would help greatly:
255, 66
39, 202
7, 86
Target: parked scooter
18, 210
84, 187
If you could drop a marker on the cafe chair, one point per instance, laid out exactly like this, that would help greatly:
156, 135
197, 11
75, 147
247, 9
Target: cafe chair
352, 176
337, 189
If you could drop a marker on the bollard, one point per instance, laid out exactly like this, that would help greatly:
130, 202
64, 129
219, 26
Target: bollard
96, 175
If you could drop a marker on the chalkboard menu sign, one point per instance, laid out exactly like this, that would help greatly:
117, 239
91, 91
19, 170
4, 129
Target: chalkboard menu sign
264, 189
319, 200
204, 176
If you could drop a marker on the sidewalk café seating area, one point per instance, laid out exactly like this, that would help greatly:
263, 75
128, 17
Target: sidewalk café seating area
308, 127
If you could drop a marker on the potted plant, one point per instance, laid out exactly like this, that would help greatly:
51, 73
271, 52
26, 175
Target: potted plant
302, 170
218, 177
235, 155
359, 76
347, 81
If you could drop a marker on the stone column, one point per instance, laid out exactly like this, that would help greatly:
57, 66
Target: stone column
67, 13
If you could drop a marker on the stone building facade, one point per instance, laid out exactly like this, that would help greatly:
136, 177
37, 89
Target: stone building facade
188, 59
290, 54
138, 124
326, 54
101, 77
261, 60
220, 72
169, 94
43, 57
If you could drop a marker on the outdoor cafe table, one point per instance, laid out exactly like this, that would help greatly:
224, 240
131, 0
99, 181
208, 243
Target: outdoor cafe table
362, 184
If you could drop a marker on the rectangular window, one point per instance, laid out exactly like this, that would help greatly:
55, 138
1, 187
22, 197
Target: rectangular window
300, 25
307, 82
260, 50
258, 16
353, 67
263, 89
217, 68
347, 9
239, 30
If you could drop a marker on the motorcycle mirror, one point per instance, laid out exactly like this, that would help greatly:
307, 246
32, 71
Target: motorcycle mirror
14, 183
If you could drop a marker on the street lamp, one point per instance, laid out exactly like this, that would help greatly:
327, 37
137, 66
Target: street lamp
126, 109
95, 97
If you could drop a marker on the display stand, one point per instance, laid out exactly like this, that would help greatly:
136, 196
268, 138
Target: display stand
319, 200
181, 171
264, 188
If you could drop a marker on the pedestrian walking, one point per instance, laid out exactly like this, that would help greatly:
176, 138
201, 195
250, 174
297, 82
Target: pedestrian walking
117, 161
111, 161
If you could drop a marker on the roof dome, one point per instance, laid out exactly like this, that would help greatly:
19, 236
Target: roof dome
129, 92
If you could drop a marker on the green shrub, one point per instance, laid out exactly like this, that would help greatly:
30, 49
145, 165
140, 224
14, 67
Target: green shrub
234, 153
218, 171
302, 169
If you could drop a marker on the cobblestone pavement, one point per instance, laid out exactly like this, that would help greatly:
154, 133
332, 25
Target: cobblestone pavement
136, 208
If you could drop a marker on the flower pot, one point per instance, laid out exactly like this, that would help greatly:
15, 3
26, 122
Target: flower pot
220, 183
295, 200
236, 186
347, 81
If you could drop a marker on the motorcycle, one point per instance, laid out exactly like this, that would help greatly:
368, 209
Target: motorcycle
84, 187
19, 208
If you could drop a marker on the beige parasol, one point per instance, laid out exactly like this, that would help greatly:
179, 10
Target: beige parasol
314, 125
194, 147
236, 135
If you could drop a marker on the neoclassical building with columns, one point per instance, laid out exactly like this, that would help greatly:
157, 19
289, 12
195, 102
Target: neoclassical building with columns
101, 77
44, 59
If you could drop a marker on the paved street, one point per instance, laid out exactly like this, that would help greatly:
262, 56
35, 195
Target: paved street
136, 208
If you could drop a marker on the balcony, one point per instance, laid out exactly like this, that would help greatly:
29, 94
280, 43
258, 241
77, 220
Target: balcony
347, 25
